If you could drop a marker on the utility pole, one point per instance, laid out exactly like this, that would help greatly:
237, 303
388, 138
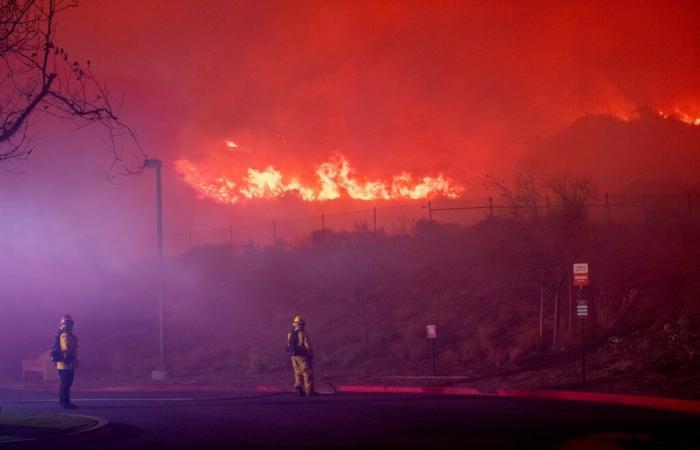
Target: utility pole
555, 335
161, 373
541, 311
570, 304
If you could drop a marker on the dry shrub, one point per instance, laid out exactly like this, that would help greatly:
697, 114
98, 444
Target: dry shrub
523, 345
490, 350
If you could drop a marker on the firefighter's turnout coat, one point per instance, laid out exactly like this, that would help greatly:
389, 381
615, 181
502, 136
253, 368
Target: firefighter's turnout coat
302, 360
68, 343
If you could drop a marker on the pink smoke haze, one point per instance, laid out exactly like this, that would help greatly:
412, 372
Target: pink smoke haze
272, 110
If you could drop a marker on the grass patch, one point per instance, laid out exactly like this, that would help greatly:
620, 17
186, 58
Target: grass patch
20, 425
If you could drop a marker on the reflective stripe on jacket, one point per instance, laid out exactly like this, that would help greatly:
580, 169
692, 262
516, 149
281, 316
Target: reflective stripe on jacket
69, 347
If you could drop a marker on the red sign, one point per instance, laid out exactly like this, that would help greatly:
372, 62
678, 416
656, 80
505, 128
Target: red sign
581, 274
581, 280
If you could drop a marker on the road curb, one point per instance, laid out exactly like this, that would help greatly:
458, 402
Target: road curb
73, 436
662, 403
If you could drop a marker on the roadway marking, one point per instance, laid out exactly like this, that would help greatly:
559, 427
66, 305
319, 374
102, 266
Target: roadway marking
37, 400
148, 399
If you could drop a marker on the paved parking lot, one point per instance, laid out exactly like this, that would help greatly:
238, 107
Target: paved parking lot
282, 420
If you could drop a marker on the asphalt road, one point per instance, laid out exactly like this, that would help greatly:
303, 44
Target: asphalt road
227, 420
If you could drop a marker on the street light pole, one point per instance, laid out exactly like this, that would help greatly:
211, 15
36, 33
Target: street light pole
161, 373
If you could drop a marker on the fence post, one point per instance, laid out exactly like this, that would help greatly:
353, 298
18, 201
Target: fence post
607, 207
323, 227
230, 236
490, 206
430, 212
546, 199
690, 205
274, 232
374, 213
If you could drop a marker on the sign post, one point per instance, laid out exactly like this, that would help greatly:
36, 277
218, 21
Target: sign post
581, 279
431, 332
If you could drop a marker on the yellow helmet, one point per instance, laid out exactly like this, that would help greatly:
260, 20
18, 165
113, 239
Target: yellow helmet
297, 320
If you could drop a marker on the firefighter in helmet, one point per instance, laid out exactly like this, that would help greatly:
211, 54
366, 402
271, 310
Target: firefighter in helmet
299, 347
65, 356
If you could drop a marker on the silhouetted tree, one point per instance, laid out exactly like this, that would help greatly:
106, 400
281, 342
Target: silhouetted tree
552, 236
38, 75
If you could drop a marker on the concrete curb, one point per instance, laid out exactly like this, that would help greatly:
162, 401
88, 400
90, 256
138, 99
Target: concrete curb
662, 403
72, 436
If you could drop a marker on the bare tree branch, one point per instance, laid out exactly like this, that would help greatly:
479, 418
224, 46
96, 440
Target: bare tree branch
38, 75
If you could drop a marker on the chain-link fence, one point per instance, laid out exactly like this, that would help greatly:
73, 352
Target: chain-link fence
608, 208
399, 219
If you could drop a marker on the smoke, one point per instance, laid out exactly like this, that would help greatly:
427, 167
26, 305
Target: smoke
422, 87
618, 153
460, 88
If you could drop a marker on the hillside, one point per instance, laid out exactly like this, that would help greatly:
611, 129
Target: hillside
367, 299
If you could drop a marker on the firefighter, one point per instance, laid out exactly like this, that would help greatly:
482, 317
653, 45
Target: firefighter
299, 346
65, 356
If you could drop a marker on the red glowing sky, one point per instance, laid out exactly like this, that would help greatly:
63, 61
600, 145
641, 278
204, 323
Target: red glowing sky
461, 88
456, 87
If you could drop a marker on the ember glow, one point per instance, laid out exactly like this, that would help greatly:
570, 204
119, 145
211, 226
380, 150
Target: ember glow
336, 179
680, 115
629, 114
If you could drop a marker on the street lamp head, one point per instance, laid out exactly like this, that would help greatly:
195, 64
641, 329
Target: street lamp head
153, 163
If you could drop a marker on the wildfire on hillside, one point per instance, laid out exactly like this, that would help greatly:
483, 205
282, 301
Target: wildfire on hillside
680, 115
335, 179
675, 114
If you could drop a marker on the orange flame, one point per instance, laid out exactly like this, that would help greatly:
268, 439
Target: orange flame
680, 115
336, 178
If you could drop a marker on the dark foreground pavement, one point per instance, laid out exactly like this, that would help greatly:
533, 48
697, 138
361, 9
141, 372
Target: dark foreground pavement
282, 420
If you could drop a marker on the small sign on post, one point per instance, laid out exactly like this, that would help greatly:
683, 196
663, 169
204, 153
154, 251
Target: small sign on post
581, 274
431, 333
582, 309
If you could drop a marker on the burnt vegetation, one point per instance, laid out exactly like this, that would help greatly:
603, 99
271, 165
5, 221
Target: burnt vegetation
368, 296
